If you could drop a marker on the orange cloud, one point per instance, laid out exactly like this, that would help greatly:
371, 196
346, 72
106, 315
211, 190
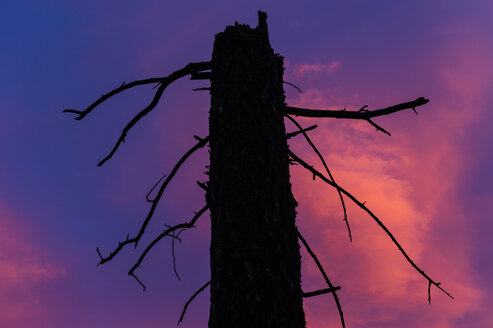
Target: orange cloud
411, 181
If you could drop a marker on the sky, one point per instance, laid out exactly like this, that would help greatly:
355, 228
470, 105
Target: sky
430, 182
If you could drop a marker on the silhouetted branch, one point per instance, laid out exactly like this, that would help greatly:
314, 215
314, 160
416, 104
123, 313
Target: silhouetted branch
326, 278
173, 252
140, 282
167, 232
123, 87
429, 292
163, 82
373, 216
154, 203
134, 121
295, 133
294, 86
203, 185
152, 189
360, 114
320, 292
190, 68
378, 127
191, 299
315, 149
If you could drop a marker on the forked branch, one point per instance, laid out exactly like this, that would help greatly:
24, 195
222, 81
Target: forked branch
315, 149
189, 69
163, 83
361, 114
168, 232
374, 217
124, 86
201, 143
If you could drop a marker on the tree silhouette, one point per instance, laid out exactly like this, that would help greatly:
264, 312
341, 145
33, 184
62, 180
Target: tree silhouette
254, 255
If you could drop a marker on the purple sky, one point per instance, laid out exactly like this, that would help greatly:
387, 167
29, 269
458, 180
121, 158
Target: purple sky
431, 182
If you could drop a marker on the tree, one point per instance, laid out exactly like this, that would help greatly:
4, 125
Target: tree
255, 257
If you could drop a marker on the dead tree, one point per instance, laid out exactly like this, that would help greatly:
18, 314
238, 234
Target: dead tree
254, 255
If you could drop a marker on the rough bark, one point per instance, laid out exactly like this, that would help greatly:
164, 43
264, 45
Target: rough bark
255, 258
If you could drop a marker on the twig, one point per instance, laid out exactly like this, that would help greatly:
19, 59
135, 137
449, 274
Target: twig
295, 133
320, 292
294, 86
173, 254
326, 278
373, 216
378, 127
429, 292
315, 149
152, 189
154, 203
186, 225
140, 282
163, 83
203, 185
191, 299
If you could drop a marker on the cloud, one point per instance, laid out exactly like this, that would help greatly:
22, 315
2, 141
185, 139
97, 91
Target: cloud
379, 285
23, 269
309, 70
412, 182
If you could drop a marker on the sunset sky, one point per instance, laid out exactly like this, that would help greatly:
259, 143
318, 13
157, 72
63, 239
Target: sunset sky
431, 182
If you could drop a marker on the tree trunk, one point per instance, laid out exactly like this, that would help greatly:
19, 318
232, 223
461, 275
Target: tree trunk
255, 259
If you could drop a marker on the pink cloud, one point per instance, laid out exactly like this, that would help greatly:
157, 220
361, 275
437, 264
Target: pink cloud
23, 267
301, 70
411, 181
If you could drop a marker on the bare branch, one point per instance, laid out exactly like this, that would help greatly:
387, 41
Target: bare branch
191, 299
134, 121
123, 87
154, 203
163, 84
326, 278
294, 86
295, 133
203, 185
378, 127
167, 232
360, 114
190, 68
429, 292
373, 216
140, 282
320, 292
173, 253
315, 149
